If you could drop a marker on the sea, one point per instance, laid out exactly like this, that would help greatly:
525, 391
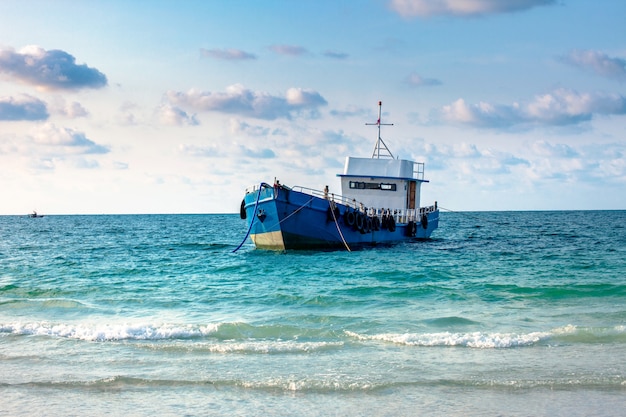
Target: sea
498, 314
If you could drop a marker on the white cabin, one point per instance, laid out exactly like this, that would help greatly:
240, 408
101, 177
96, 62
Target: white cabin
383, 183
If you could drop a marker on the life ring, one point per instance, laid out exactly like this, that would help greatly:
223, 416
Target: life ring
424, 221
242, 210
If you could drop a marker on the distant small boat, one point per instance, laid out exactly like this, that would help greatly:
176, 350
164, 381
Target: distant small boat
380, 204
34, 215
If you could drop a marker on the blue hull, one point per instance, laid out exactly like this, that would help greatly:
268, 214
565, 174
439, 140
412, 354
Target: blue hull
280, 218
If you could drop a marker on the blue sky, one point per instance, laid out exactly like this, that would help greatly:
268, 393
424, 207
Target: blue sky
177, 107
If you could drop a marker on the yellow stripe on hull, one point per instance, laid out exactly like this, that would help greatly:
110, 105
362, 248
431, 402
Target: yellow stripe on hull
269, 240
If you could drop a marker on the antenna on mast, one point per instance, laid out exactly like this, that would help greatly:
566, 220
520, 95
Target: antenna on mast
380, 145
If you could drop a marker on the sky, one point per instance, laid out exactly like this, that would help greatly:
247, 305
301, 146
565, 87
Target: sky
147, 106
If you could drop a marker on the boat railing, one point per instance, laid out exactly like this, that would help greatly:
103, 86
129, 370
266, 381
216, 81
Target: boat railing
255, 187
400, 215
327, 195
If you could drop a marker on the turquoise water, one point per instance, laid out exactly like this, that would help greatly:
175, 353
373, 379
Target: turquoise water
501, 313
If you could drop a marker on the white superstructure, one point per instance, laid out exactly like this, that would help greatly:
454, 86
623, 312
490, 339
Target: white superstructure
382, 182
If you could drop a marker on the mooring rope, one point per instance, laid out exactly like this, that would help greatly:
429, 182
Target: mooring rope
256, 205
332, 210
295, 211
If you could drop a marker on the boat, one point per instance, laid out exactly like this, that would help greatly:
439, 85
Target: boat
379, 204
34, 215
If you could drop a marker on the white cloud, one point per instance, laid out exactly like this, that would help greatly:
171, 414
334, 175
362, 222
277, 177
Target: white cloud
597, 62
75, 109
558, 108
54, 69
244, 102
550, 150
72, 110
47, 147
209, 151
23, 107
298, 97
174, 116
232, 151
66, 140
424, 8
542, 163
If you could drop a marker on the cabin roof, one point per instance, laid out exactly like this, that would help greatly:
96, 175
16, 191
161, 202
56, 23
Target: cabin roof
380, 168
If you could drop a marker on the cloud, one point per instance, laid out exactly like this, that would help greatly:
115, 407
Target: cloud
244, 102
239, 127
175, 116
290, 50
264, 153
602, 162
597, 62
335, 54
72, 110
23, 107
126, 114
70, 140
75, 110
417, 80
425, 8
214, 151
228, 54
54, 69
351, 111
550, 150
558, 108
211, 151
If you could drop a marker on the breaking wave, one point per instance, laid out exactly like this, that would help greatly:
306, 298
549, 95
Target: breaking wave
483, 340
241, 337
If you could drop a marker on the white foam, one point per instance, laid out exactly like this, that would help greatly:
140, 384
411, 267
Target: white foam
115, 332
104, 332
272, 346
473, 339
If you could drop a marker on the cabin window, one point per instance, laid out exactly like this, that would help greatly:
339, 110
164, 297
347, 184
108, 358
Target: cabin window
360, 185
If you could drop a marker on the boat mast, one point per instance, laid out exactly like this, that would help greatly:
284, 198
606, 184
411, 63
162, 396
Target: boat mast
380, 145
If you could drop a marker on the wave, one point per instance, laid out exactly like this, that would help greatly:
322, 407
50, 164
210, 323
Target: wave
109, 332
330, 384
482, 340
243, 337
214, 338
472, 340
45, 303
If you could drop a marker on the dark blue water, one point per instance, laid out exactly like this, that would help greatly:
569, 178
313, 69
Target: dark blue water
501, 313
